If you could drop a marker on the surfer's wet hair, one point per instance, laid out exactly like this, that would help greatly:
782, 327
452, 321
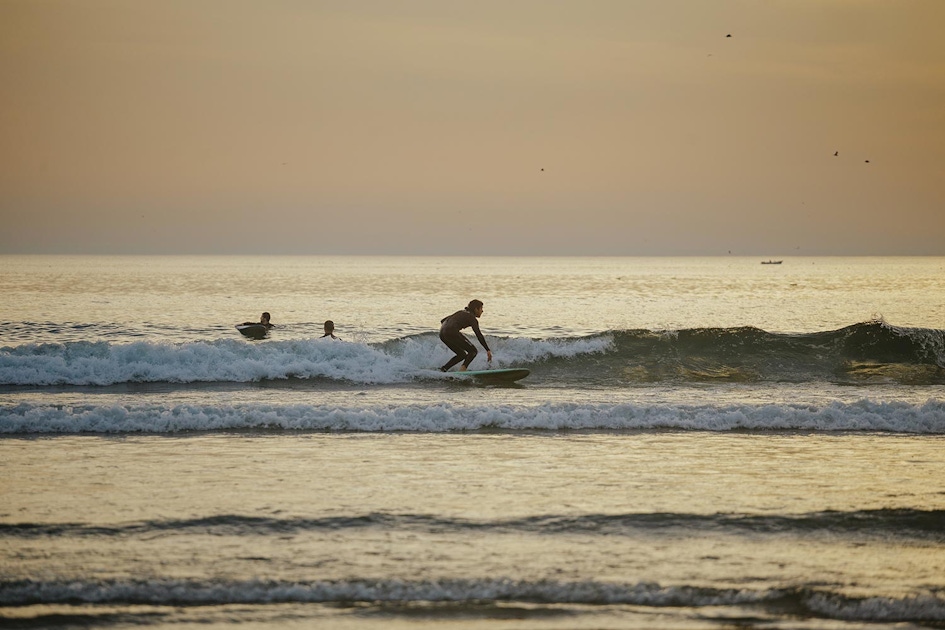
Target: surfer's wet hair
473, 305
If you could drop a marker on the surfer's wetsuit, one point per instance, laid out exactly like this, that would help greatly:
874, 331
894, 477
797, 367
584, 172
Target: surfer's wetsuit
263, 321
456, 341
266, 324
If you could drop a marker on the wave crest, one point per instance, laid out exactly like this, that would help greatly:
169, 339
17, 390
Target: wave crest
818, 602
863, 415
866, 353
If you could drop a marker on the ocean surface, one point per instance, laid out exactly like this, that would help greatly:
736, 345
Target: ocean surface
701, 443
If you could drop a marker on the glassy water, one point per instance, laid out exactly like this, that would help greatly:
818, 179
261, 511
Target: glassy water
700, 443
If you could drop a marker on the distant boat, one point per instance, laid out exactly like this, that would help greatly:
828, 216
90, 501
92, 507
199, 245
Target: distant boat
771, 262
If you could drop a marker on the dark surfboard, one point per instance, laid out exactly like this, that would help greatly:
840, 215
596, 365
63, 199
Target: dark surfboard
253, 331
505, 375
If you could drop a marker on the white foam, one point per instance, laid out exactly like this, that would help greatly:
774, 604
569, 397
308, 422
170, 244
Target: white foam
925, 607
191, 592
862, 415
102, 363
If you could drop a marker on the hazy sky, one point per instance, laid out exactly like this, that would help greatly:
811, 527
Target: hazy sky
600, 127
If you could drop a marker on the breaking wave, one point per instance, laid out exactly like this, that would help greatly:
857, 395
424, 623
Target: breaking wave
862, 415
815, 601
866, 353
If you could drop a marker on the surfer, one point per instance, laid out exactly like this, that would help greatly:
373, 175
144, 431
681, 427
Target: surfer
456, 341
329, 330
263, 321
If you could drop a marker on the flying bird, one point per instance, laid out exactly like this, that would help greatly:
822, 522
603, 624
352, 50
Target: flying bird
729, 35
836, 153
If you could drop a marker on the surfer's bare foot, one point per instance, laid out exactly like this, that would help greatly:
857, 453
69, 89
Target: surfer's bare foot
462, 368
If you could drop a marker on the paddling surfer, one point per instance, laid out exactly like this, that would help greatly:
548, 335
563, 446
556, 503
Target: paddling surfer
263, 321
329, 330
456, 341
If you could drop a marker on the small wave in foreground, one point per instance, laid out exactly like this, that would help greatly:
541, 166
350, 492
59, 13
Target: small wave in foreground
862, 415
811, 601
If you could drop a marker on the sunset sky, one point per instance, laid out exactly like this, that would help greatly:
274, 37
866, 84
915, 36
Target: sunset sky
531, 127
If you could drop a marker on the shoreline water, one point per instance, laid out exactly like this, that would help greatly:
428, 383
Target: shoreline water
692, 527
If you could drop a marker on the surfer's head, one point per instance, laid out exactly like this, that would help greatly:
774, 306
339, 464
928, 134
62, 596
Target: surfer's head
475, 307
265, 318
329, 326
